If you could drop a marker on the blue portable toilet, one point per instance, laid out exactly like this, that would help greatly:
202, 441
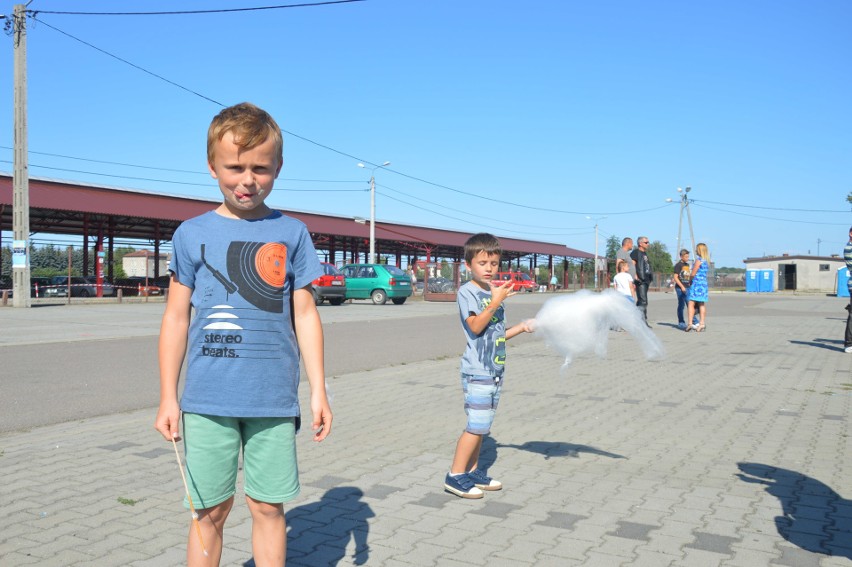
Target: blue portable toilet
767, 281
752, 277
843, 282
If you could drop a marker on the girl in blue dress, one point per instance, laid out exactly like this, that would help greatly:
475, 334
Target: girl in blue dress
697, 293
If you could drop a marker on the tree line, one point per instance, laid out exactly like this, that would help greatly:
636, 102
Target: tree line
50, 260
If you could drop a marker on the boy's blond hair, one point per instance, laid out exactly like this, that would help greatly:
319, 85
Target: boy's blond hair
250, 125
620, 264
482, 242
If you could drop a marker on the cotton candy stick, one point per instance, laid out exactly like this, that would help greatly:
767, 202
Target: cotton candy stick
189, 498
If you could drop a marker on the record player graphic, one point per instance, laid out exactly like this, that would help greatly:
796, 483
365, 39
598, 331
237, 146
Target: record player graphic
256, 271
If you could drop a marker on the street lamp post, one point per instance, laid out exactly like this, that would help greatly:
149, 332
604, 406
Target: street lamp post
596, 248
373, 209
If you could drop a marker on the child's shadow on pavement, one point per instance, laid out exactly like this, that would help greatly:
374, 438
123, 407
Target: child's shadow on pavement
318, 533
813, 516
550, 449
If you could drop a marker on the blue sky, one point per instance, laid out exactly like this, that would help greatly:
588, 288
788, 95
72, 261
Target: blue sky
520, 118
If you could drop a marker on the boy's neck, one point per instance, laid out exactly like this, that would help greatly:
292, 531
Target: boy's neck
258, 212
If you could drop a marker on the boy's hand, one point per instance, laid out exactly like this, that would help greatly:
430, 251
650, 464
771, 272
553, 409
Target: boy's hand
321, 413
502, 291
168, 421
528, 325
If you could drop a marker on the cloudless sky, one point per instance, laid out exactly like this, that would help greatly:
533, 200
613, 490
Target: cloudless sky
520, 118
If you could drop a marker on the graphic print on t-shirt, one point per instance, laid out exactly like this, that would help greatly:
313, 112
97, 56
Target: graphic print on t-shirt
256, 270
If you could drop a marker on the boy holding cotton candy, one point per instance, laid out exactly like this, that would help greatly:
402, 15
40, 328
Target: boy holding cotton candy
480, 303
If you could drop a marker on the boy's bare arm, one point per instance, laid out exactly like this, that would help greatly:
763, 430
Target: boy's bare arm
173, 338
522, 327
310, 338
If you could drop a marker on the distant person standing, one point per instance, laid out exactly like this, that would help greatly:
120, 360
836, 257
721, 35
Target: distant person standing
682, 279
847, 255
623, 254
698, 292
623, 282
643, 275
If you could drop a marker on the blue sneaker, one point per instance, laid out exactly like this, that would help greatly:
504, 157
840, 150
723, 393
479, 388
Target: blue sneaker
462, 485
681, 326
483, 481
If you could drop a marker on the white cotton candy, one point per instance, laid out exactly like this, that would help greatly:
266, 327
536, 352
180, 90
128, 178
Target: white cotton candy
580, 323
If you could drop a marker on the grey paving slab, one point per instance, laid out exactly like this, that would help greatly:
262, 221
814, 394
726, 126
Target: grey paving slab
732, 451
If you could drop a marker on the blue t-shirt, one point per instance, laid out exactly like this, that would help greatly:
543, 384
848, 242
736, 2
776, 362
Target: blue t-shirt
485, 354
847, 255
243, 359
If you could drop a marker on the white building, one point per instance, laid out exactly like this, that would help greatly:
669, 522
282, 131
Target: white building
800, 273
141, 264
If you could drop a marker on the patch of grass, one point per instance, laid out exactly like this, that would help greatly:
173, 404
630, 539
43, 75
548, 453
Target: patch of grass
127, 501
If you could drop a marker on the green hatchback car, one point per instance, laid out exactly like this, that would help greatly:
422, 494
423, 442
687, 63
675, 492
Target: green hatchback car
377, 282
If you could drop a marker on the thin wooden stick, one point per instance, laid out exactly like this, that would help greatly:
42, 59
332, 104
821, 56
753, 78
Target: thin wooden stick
189, 498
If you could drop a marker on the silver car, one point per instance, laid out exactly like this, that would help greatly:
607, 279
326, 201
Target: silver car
81, 286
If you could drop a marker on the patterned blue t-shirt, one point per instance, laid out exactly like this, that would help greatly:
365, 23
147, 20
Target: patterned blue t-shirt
847, 255
485, 354
243, 358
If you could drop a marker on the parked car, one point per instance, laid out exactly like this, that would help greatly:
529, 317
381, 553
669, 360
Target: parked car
136, 286
520, 281
331, 285
38, 286
441, 285
81, 286
377, 282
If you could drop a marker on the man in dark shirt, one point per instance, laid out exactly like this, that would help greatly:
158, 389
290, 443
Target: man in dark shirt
682, 278
644, 276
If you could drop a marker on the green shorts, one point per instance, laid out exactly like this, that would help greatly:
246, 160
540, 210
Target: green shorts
212, 445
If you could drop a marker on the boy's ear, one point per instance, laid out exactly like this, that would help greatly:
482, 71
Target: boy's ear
277, 171
212, 170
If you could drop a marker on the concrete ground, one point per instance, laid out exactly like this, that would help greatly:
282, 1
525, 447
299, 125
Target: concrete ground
732, 451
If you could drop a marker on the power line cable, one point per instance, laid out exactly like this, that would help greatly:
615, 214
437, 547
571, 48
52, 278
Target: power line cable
498, 228
125, 61
193, 184
768, 208
187, 12
500, 220
770, 218
329, 148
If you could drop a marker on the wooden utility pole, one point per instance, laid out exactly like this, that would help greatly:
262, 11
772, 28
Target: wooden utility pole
20, 176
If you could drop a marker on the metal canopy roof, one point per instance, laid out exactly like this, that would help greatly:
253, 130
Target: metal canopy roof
63, 207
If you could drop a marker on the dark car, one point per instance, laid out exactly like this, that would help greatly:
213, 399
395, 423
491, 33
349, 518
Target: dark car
331, 285
81, 286
38, 286
377, 282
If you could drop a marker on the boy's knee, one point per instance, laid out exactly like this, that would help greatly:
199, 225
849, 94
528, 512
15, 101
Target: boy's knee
218, 513
265, 510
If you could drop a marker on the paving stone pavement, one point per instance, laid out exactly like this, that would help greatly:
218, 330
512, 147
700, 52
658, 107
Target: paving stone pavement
733, 451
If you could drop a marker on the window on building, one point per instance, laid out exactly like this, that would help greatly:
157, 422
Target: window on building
824, 267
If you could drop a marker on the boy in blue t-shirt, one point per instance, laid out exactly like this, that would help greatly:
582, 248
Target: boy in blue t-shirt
246, 270
480, 305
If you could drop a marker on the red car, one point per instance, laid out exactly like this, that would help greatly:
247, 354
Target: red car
520, 280
331, 286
